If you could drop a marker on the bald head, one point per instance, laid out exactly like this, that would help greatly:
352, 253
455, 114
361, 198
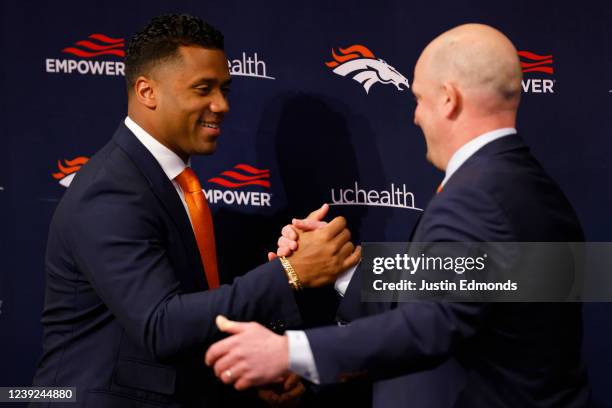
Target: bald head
480, 60
466, 82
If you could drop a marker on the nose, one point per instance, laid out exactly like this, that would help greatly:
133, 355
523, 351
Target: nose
219, 104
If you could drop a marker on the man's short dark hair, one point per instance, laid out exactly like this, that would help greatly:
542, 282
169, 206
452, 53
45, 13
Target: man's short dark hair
160, 40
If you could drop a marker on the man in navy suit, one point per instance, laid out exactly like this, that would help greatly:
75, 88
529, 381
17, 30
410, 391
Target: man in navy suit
129, 307
467, 86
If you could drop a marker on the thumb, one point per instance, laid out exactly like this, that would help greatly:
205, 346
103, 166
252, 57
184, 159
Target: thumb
271, 256
308, 225
318, 215
228, 326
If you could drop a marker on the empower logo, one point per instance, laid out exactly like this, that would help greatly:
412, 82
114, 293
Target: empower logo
96, 45
359, 63
68, 170
241, 175
395, 196
532, 62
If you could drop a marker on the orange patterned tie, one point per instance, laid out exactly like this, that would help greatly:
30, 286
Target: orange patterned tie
201, 219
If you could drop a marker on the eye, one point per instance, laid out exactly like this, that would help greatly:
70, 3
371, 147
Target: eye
204, 90
225, 90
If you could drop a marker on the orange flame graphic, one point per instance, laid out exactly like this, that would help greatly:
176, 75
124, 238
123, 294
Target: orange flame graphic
349, 53
71, 166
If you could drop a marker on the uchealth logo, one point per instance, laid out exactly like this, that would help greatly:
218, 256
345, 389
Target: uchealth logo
360, 64
249, 65
539, 65
68, 169
96, 54
238, 184
393, 196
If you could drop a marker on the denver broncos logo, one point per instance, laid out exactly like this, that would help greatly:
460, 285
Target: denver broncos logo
68, 170
361, 64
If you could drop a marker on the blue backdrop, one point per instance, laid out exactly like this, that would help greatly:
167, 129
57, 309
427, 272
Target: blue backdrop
301, 131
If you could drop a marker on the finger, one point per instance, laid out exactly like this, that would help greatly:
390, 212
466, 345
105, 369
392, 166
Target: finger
218, 350
225, 363
308, 225
346, 250
293, 393
271, 256
318, 215
237, 372
341, 239
287, 243
353, 259
283, 251
230, 326
335, 227
243, 384
289, 232
267, 395
291, 381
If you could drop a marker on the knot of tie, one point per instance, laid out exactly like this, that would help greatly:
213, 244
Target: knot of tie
188, 181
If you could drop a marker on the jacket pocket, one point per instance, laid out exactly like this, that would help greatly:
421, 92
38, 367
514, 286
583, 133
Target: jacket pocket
145, 376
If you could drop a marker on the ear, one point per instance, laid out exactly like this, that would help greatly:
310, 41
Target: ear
451, 100
145, 92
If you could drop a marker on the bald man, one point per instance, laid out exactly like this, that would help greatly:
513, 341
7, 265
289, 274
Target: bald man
467, 86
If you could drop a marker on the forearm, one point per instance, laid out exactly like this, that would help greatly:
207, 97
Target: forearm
183, 321
413, 337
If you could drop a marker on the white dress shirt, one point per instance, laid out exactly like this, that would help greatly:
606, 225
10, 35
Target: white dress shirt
301, 359
170, 162
467, 150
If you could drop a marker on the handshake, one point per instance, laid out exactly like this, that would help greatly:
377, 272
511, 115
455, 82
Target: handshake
253, 355
324, 250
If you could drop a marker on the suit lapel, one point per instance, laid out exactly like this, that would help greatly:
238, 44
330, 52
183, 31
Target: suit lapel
166, 193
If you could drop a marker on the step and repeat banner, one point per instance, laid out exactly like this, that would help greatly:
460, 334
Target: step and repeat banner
321, 111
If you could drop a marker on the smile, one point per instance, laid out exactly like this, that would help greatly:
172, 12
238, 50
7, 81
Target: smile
209, 125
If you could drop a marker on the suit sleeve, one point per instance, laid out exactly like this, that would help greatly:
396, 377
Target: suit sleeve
120, 248
416, 335
351, 307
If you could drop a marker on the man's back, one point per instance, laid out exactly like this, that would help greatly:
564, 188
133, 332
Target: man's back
482, 355
519, 354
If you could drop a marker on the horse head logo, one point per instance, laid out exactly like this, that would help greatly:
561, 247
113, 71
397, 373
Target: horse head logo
360, 63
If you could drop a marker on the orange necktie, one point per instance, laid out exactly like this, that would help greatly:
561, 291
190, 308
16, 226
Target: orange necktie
439, 189
201, 219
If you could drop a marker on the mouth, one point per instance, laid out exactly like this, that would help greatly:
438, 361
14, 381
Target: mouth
210, 128
210, 125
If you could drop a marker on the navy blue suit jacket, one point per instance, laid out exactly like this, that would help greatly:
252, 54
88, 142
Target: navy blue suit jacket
127, 315
506, 354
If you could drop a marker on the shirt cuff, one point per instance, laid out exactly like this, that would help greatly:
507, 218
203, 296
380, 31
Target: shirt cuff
301, 360
344, 279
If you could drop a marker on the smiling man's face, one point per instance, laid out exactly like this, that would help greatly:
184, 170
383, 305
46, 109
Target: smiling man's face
191, 93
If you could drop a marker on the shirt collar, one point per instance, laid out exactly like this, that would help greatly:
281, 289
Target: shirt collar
169, 161
467, 150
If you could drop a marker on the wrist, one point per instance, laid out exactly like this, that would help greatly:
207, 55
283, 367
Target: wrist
284, 346
292, 276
